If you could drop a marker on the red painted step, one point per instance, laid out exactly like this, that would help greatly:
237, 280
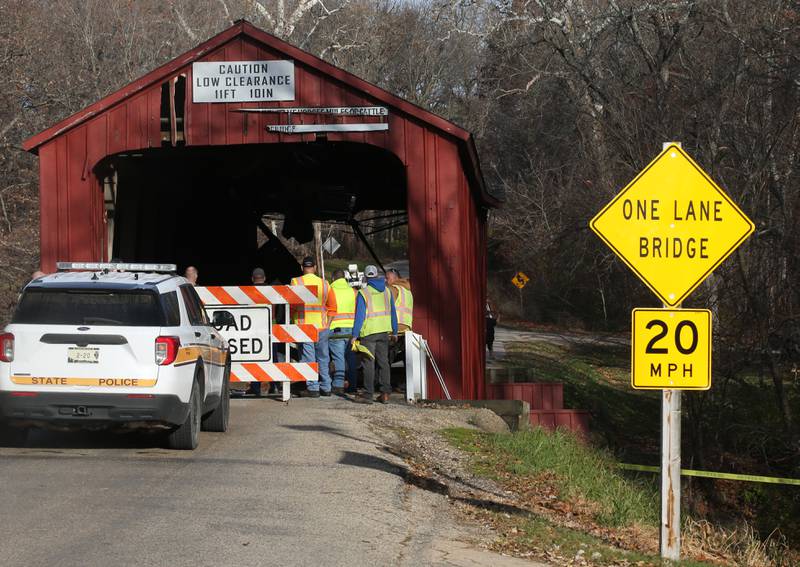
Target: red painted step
540, 395
576, 421
547, 404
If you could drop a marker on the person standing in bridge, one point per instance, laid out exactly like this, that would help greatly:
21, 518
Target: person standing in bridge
404, 305
403, 299
492, 318
316, 314
191, 274
341, 329
257, 277
375, 320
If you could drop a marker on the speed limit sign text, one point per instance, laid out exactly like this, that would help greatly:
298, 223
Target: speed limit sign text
671, 349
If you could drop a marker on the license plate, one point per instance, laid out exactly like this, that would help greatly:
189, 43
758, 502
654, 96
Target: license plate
80, 354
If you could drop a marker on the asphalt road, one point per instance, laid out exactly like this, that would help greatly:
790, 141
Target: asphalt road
300, 484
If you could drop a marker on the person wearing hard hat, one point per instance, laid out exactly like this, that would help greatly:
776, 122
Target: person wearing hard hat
341, 329
375, 320
316, 314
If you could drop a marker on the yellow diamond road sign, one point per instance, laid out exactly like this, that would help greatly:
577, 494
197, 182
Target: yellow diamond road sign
520, 280
672, 225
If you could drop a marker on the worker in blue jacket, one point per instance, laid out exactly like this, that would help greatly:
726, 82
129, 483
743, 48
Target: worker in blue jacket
375, 322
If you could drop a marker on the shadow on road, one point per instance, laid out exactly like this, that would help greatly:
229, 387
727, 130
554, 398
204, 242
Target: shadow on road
427, 483
101, 439
327, 429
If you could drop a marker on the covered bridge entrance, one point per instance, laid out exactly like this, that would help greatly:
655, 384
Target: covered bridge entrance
180, 166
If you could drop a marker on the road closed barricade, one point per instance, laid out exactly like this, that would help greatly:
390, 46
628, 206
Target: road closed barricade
253, 332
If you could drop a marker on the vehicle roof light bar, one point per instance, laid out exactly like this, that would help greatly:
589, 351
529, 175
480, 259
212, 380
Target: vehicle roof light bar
116, 266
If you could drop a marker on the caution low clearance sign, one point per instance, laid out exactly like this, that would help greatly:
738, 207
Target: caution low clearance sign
672, 225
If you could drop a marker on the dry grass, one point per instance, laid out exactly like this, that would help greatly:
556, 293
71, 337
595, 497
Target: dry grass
741, 545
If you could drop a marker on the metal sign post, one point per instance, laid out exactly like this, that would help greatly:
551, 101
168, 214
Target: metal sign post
672, 225
670, 533
670, 529
520, 280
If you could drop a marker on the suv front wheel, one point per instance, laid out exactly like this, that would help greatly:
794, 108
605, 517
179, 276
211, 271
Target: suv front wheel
185, 437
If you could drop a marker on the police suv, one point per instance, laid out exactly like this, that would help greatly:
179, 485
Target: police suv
112, 344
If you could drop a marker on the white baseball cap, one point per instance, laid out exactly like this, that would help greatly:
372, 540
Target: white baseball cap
371, 271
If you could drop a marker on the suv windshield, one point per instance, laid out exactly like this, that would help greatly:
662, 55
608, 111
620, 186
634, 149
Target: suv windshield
138, 308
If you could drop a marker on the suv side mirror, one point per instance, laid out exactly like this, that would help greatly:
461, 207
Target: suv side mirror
223, 319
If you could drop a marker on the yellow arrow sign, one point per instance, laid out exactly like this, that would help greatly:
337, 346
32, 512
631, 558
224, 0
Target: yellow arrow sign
520, 280
672, 225
671, 349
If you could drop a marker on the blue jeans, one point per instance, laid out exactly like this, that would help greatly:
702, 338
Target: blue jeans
318, 352
344, 359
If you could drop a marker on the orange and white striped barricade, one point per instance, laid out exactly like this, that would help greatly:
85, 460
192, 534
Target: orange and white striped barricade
250, 339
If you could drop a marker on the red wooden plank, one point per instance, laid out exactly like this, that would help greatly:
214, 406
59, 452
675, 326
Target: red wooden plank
154, 117
563, 419
250, 128
558, 396
233, 120
62, 196
217, 111
136, 127
117, 130
547, 397
418, 251
196, 126
96, 139
78, 201
48, 207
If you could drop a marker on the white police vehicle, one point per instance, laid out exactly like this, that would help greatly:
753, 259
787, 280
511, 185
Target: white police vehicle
112, 344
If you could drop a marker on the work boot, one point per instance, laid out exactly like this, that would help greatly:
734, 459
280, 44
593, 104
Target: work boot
338, 390
309, 394
325, 393
362, 399
383, 398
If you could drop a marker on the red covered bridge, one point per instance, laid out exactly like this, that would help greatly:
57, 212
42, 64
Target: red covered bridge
166, 169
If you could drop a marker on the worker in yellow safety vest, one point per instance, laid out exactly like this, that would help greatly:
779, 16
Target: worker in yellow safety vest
375, 321
403, 299
341, 328
404, 305
317, 314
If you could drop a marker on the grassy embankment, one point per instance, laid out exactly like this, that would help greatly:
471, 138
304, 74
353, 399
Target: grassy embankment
582, 482
579, 509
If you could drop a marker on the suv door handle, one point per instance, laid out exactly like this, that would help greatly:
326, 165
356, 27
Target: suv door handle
198, 334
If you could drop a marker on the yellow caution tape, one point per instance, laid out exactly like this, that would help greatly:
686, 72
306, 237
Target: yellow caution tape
724, 476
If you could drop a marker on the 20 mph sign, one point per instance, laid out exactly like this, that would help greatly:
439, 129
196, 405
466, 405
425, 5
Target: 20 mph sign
671, 349
672, 225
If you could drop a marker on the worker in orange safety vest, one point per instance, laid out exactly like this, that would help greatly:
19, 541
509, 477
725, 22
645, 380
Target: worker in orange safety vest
316, 314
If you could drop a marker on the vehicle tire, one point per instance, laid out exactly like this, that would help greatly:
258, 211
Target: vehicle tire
217, 420
185, 437
12, 436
